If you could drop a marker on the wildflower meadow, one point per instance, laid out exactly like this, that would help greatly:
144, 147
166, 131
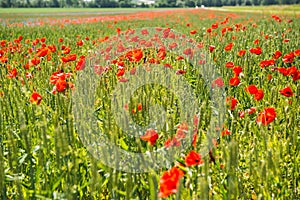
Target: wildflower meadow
185, 104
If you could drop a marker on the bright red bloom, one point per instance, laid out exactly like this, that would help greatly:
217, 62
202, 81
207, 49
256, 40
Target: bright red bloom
230, 64
237, 70
161, 54
296, 75
139, 107
80, 63
288, 58
228, 47
234, 81
266, 63
69, 58
150, 136
12, 73
35, 98
42, 52
277, 54
287, 91
214, 26
291, 70
252, 89
61, 85
231, 102
79, 43
297, 52
259, 95
266, 116
282, 70
3, 59
211, 48
169, 182
256, 50
134, 55
225, 132
241, 52
121, 71
193, 158
192, 32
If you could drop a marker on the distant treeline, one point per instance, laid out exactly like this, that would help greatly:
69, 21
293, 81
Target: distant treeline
135, 3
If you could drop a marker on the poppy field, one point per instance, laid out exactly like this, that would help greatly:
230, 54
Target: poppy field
152, 104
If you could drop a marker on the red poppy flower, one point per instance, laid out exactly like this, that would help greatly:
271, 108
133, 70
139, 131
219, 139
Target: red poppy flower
241, 52
218, 82
234, 81
169, 182
277, 54
181, 130
266, 116
61, 85
194, 141
230, 64
209, 30
287, 92
242, 114
296, 75
288, 58
161, 54
291, 70
144, 32
214, 26
139, 107
282, 70
228, 47
231, 102
237, 70
79, 43
297, 52
69, 58
123, 80
259, 95
180, 71
225, 132
150, 136
172, 142
35, 98
80, 63
3, 59
179, 58
12, 73
193, 158
266, 63
251, 110
256, 50
42, 52
211, 48
252, 89
173, 45
192, 32
121, 71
